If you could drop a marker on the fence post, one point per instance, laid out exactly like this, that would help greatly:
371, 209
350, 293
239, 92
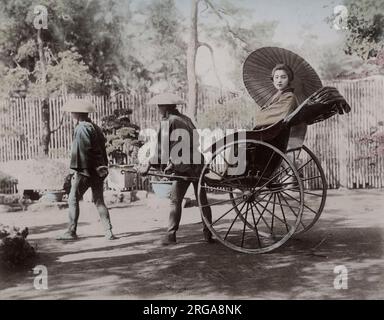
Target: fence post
343, 152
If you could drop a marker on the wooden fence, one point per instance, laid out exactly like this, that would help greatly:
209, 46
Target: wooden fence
340, 142
8, 187
21, 131
346, 160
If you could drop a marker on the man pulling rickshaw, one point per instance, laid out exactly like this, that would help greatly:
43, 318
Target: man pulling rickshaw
172, 121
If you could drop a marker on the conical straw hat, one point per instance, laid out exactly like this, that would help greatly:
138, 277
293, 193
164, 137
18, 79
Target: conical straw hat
79, 105
166, 98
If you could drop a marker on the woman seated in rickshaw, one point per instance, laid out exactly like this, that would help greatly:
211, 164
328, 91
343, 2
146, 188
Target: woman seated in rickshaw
279, 106
283, 102
283, 107
282, 122
320, 103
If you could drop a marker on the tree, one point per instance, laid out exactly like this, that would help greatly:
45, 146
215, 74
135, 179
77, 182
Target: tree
153, 39
364, 30
79, 42
66, 73
193, 45
90, 28
362, 22
240, 39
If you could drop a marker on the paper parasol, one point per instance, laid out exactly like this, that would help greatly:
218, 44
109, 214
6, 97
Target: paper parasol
257, 74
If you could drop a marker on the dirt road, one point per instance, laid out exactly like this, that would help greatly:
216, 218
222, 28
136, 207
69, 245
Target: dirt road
349, 233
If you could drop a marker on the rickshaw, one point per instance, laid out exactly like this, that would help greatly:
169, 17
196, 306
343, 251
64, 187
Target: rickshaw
276, 187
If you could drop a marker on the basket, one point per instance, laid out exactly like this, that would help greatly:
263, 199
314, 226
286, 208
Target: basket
53, 196
162, 189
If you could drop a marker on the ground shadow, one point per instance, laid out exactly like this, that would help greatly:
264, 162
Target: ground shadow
136, 267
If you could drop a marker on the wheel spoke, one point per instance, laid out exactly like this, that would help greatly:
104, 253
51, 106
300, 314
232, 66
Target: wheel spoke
267, 191
276, 175
290, 206
222, 216
282, 204
256, 231
287, 176
263, 197
294, 153
265, 169
272, 213
283, 213
245, 222
220, 202
261, 216
311, 178
299, 202
299, 152
298, 169
301, 222
273, 208
233, 222
302, 166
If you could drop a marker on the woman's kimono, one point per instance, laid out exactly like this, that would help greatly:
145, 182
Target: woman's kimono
277, 108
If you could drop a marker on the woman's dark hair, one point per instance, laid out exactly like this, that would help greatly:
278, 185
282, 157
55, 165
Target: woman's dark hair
286, 68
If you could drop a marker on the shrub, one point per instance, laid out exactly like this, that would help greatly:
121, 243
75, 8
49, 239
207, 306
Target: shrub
122, 136
15, 251
229, 114
6, 181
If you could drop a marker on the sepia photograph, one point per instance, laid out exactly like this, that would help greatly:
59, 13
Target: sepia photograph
209, 151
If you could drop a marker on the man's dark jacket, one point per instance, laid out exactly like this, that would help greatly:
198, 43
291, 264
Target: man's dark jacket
88, 148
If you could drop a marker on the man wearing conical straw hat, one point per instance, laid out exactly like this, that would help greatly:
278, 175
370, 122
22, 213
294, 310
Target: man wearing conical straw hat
176, 121
90, 163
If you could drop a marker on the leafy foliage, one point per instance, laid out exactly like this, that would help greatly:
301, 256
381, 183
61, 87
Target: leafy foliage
374, 141
122, 135
229, 114
14, 81
79, 33
364, 37
5, 180
68, 74
158, 24
365, 28
15, 251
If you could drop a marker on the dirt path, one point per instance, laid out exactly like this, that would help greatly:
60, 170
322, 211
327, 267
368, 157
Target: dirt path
350, 233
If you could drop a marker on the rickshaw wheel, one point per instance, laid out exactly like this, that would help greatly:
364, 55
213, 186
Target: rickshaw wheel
314, 184
250, 213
